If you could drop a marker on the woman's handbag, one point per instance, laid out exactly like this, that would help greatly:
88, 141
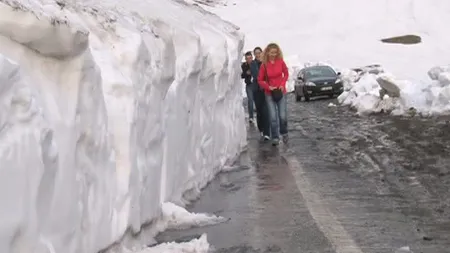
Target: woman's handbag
277, 94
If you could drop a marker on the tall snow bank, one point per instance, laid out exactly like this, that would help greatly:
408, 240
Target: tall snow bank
107, 110
372, 90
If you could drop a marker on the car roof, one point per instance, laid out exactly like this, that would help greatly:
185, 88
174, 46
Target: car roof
317, 66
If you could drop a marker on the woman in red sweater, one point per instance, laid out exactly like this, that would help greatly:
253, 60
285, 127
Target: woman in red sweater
272, 77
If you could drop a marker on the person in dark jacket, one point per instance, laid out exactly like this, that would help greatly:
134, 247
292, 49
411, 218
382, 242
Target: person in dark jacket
262, 114
249, 87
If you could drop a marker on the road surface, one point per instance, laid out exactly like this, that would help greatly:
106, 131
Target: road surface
343, 184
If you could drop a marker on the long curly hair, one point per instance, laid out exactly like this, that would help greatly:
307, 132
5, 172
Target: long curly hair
265, 54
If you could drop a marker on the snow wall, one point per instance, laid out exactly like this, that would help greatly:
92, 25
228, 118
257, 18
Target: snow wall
107, 110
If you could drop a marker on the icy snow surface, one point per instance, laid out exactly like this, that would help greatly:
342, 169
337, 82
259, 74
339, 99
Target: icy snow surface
347, 34
107, 110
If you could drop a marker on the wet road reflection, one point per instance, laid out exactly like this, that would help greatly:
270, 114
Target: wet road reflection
344, 184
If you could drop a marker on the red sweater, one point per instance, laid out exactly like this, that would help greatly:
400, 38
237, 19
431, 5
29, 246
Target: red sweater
277, 75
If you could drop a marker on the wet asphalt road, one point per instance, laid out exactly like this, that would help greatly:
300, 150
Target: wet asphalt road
343, 184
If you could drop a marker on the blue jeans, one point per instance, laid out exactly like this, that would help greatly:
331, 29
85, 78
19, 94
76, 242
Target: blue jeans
250, 100
277, 115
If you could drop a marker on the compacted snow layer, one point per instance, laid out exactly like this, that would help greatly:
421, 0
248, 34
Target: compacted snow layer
107, 110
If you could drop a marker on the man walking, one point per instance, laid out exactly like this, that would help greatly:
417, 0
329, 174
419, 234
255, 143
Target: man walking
262, 114
249, 87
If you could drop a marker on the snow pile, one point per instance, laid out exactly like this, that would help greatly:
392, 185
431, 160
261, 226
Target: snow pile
363, 94
175, 217
199, 245
374, 91
107, 110
370, 89
404, 249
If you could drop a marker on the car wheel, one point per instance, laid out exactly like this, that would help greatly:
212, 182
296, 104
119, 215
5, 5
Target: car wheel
306, 95
307, 98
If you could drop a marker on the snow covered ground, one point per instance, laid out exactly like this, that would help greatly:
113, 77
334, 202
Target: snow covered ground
108, 109
347, 34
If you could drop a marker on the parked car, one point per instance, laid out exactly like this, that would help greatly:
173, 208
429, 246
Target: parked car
317, 81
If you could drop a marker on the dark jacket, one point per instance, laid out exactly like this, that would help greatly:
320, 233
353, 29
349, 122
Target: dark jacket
254, 69
247, 78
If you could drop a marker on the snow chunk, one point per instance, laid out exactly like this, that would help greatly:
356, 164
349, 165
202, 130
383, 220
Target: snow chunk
435, 72
404, 249
444, 78
175, 217
388, 84
366, 103
172, 217
199, 245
